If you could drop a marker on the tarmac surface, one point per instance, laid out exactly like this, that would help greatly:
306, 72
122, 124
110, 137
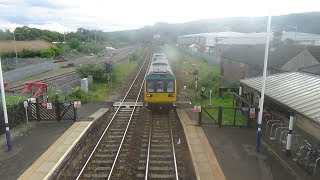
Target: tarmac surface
29, 147
235, 151
26, 149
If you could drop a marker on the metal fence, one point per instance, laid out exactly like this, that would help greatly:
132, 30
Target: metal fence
227, 116
17, 74
208, 57
16, 63
55, 111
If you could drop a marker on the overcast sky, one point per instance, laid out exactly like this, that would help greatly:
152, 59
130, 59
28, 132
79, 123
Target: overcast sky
112, 15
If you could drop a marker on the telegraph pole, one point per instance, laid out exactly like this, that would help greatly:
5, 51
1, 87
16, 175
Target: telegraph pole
4, 106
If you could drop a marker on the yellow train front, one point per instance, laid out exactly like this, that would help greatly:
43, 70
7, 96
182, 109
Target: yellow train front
160, 84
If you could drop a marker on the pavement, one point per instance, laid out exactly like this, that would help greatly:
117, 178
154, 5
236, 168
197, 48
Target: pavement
35, 140
50, 160
234, 149
26, 149
204, 160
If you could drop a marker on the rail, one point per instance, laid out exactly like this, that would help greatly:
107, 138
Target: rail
111, 121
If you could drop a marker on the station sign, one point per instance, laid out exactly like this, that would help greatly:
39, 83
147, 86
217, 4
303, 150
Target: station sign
77, 104
197, 108
252, 113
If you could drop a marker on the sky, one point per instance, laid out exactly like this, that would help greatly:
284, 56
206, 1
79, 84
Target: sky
113, 15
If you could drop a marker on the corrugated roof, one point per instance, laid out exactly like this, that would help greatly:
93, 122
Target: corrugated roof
297, 90
254, 54
314, 69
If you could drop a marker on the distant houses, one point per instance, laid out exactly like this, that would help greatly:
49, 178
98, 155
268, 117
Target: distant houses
244, 61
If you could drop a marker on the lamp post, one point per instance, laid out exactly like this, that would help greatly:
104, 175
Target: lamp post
4, 106
261, 100
15, 45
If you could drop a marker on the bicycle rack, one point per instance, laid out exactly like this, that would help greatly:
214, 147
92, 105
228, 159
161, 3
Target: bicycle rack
269, 122
315, 166
275, 132
272, 128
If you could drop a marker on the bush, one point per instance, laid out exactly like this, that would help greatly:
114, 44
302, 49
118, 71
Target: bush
97, 72
135, 55
15, 109
54, 93
48, 53
78, 94
89, 48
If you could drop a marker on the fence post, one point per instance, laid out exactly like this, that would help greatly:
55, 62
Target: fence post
200, 118
75, 113
220, 116
234, 116
58, 117
37, 110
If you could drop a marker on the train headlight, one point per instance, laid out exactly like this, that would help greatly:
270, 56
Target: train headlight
170, 95
149, 95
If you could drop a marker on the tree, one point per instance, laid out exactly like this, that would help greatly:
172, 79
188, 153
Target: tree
74, 43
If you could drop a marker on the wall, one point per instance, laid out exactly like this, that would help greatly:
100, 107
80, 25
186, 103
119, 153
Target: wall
308, 127
27, 71
303, 59
233, 71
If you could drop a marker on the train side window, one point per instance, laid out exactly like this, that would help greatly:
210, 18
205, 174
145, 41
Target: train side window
170, 86
150, 86
160, 86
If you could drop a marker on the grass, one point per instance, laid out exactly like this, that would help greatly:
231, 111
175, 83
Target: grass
208, 78
101, 91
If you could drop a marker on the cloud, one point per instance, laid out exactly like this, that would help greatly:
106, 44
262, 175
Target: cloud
126, 14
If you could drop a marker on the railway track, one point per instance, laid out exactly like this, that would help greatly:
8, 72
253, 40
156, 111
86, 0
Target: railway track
65, 78
158, 154
102, 160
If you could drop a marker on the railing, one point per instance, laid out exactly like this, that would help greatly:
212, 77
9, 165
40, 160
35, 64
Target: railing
227, 116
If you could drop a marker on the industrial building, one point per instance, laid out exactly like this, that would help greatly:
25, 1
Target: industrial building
207, 41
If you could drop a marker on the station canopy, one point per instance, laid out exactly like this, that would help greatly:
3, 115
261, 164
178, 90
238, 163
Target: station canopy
297, 90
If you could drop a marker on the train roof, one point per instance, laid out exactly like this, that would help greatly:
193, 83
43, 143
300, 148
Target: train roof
160, 66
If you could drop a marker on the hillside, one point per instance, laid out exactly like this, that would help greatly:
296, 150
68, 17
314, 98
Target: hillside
306, 22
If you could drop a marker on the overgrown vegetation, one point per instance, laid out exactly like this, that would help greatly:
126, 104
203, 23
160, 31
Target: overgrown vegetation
14, 109
78, 94
96, 70
100, 91
134, 56
208, 78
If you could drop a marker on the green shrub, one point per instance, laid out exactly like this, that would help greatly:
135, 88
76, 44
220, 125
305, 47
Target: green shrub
135, 55
97, 72
54, 93
48, 53
78, 94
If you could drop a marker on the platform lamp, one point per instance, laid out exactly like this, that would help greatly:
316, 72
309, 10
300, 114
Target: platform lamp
4, 106
261, 100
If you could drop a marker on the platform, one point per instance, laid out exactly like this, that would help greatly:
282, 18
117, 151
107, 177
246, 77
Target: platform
47, 163
204, 160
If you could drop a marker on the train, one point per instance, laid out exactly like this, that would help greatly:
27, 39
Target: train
160, 85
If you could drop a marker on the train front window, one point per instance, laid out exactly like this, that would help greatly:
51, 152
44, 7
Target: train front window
150, 86
160, 86
170, 86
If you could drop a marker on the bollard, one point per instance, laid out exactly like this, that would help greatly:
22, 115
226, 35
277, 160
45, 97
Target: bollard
289, 137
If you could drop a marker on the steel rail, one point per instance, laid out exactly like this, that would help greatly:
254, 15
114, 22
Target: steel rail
104, 132
125, 133
149, 146
173, 151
